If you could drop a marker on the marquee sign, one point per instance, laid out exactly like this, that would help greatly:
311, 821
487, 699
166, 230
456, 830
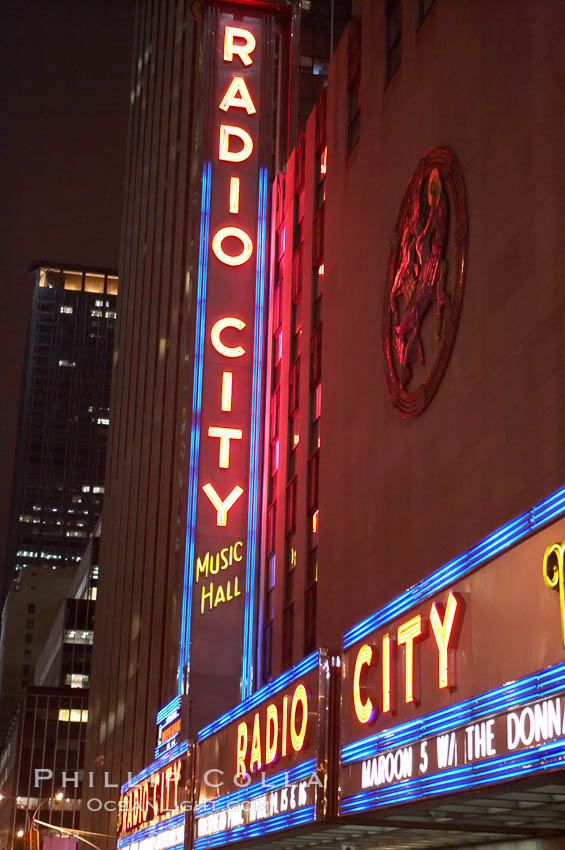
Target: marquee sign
224, 475
264, 766
423, 708
152, 805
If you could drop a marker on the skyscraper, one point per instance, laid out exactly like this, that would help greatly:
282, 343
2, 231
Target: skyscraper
59, 476
59, 472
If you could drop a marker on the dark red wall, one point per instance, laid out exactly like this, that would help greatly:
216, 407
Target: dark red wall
400, 498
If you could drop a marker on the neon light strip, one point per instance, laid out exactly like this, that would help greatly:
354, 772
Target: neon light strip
166, 745
500, 540
170, 755
279, 780
530, 689
174, 846
300, 669
304, 815
133, 839
148, 831
247, 666
502, 769
195, 429
172, 706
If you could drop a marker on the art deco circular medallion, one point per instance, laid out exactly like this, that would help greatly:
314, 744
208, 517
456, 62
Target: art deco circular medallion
425, 281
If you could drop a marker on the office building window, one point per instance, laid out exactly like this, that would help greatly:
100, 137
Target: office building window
393, 36
353, 83
353, 113
294, 387
288, 636
269, 608
291, 506
73, 715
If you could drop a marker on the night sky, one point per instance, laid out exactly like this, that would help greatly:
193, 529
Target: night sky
64, 78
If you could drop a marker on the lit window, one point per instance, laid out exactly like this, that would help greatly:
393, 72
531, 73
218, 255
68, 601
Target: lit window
275, 456
324, 161
75, 680
73, 281
101, 420
94, 283
78, 638
98, 488
97, 314
75, 534
70, 363
66, 308
86, 488
111, 314
112, 285
73, 715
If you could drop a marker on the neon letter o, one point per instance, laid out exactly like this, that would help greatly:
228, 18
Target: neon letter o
228, 259
297, 738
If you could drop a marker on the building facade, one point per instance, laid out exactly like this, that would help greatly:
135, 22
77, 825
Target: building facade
388, 417
149, 467
30, 608
42, 755
66, 656
41, 764
59, 477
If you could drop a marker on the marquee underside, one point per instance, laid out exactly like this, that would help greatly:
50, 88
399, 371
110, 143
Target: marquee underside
520, 810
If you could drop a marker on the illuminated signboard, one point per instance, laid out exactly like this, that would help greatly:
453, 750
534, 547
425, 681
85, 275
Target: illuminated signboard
264, 766
424, 710
169, 726
152, 805
224, 474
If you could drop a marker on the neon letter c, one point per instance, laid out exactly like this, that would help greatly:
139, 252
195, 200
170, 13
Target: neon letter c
218, 327
364, 710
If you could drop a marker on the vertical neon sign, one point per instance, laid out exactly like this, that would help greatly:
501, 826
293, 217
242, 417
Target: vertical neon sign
218, 606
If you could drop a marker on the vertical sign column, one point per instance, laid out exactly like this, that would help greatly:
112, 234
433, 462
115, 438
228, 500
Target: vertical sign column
224, 473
